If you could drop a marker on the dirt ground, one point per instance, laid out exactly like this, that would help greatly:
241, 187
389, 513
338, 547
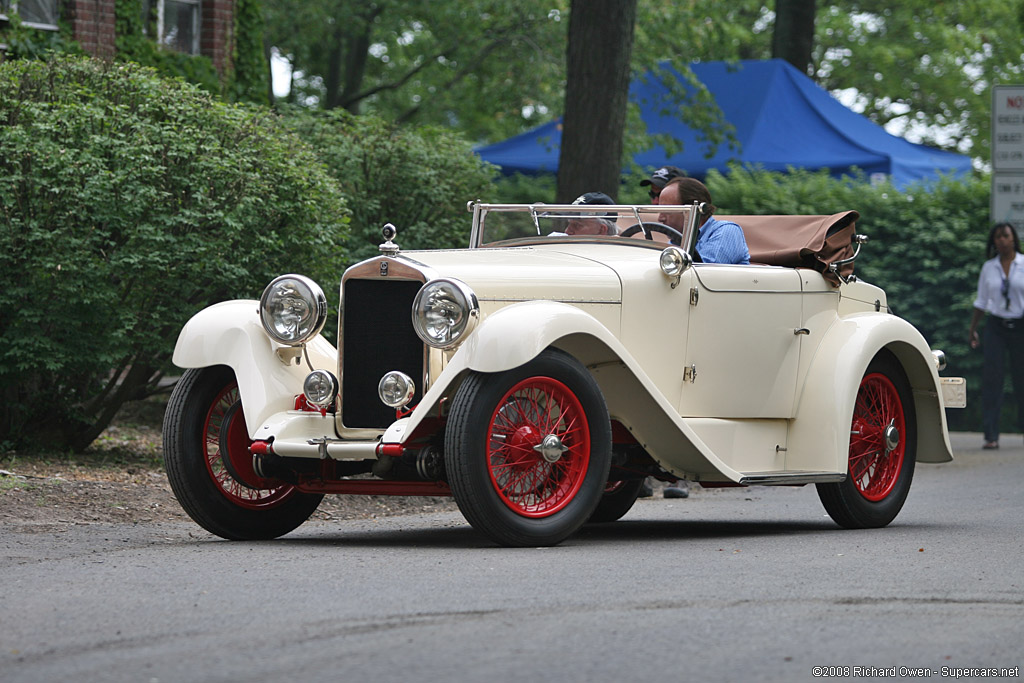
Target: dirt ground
120, 479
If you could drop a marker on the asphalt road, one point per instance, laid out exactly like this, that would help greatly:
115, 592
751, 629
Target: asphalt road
729, 585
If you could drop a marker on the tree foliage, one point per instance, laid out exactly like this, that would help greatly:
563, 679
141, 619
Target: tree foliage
486, 67
127, 203
494, 68
926, 66
250, 80
418, 179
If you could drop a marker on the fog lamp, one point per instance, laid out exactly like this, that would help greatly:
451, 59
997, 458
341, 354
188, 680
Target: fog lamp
396, 389
320, 388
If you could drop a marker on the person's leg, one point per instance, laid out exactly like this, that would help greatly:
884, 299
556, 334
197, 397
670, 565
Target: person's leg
1015, 350
993, 350
677, 489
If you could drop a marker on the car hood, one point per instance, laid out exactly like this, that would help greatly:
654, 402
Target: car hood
525, 274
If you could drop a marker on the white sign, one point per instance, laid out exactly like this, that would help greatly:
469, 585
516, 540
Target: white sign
1008, 199
1008, 128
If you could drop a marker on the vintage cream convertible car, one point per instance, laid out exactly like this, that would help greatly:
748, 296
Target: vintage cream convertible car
539, 377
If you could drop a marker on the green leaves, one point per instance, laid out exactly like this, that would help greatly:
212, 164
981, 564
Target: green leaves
418, 179
127, 203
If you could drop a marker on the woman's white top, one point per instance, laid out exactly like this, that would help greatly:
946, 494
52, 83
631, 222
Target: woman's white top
995, 298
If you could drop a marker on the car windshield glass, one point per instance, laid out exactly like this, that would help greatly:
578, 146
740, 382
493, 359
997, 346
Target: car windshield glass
501, 223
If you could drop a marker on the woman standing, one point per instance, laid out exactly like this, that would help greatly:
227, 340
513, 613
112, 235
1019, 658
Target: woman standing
1001, 295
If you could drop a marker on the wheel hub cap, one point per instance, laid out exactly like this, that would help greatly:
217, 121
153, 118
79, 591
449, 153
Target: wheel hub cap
892, 437
551, 448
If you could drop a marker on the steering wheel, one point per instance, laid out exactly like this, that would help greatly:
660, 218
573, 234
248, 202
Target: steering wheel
674, 236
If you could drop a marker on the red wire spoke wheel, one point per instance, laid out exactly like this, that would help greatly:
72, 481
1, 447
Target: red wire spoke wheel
883, 448
228, 459
527, 450
209, 466
876, 446
534, 479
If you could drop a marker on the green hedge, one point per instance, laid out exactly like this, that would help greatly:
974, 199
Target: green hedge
926, 248
127, 203
417, 179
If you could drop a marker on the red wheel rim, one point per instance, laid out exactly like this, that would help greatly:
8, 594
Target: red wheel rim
262, 493
527, 482
874, 467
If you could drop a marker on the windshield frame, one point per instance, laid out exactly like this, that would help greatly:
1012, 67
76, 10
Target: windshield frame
639, 213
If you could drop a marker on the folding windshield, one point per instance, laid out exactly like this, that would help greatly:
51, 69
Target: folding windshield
509, 224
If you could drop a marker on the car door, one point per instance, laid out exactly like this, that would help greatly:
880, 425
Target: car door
743, 342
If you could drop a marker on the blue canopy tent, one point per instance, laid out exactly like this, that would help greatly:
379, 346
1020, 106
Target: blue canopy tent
782, 119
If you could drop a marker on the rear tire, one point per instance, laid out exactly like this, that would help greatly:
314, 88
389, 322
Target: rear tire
206, 454
618, 499
878, 477
528, 450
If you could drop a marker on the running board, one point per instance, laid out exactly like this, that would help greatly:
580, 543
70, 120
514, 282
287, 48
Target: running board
784, 479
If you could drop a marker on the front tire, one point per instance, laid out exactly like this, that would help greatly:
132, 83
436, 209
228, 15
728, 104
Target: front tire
209, 466
528, 450
883, 448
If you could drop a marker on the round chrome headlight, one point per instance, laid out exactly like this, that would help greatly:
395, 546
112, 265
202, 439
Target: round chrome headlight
293, 309
320, 388
396, 389
444, 312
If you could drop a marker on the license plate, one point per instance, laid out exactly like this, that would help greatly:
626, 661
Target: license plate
954, 392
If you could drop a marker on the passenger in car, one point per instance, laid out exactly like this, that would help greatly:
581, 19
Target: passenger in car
717, 241
592, 224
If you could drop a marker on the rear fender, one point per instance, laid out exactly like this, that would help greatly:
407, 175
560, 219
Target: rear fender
825, 408
230, 333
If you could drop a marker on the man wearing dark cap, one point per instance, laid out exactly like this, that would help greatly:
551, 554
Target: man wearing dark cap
592, 224
658, 180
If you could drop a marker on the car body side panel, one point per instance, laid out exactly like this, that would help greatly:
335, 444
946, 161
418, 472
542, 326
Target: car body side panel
230, 333
517, 333
742, 348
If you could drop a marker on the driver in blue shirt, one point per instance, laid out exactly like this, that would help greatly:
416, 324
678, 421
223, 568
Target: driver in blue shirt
717, 241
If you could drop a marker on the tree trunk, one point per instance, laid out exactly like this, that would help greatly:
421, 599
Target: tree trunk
793, 39
596, 95
332, 80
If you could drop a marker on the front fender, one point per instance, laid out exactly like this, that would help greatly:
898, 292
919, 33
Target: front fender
517, 333
825, 407
230, 333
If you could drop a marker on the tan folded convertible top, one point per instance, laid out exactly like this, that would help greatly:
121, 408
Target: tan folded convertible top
800, 241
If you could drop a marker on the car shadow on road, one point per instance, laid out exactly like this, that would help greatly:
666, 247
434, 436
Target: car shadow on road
649, 531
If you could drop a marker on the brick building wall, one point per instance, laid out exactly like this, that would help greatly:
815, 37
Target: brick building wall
217, 33
92, 25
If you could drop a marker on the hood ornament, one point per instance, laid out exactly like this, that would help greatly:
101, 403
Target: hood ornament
388, 248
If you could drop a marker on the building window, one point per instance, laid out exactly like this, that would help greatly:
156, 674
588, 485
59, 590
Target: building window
34, 13
174, 23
